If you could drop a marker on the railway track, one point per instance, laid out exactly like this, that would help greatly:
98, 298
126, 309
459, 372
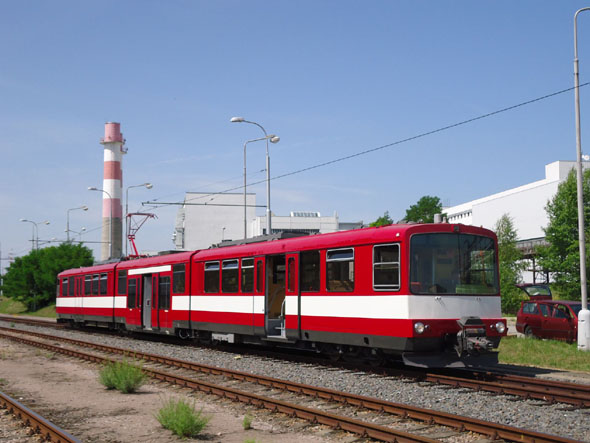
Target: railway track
378, 415
46, 430
549, 391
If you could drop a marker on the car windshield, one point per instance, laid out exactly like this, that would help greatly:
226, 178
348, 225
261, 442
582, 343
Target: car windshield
452, 263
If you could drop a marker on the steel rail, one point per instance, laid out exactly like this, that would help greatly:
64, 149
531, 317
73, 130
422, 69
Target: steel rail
492, 430
38, 425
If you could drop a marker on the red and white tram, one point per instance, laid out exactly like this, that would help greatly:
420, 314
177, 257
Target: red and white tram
426, 293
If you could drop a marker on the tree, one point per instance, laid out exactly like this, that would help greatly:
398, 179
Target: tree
562, 255
384, 220
32, 279
424, 210
510, 263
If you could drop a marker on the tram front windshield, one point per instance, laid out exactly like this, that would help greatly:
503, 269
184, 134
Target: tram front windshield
452, 264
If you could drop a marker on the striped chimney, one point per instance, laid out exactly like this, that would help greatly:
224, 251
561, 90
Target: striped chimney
112, 142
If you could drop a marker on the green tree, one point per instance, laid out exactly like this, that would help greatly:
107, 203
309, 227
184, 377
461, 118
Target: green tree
424, 210
562, 255
32, 279
384, 220
511, 265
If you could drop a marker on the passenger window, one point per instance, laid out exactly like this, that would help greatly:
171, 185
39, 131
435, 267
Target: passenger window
292, 274
212, 276
530, 308
386, 267
103, 283
131, 292
88, 285
247, 275
560, 311
64, 287
178, 278
230, 276
309, 262
71, 286
259, 276
95, 284
164, 293
122, 283
340, 270
544, 310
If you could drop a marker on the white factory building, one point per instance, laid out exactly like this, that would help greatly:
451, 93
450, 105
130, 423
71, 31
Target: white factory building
206, 219
524, 204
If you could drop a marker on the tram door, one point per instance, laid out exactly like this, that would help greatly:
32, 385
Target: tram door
291, 312
146, 308
275, 295
155, 313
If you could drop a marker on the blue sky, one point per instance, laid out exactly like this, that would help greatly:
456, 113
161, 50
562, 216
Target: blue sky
330, 78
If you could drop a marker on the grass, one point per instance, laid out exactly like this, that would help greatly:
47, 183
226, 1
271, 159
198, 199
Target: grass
13, 307
182, 418
247, 422
123, 376
543, 353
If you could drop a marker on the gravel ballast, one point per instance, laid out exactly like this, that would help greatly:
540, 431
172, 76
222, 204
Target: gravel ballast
557, 419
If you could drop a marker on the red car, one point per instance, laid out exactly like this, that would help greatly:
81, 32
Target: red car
555, 319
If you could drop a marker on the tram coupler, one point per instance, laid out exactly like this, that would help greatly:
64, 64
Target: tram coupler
472, 339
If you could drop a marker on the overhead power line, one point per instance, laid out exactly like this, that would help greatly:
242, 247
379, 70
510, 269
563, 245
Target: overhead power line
389, 145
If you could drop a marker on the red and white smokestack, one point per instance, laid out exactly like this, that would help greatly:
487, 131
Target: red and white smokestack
112, 142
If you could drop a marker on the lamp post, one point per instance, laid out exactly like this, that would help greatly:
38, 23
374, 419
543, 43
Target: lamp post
84, 208
92, 188
34, 244
584, 314
79, 233
273, 139
148, 186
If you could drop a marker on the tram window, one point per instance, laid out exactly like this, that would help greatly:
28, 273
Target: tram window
386, 267
103, 284
212, 276
259, 276
64, 287
131, 292
71, 286
340, 270
88, 285
309, 262
95, 284
164, 293
292, 274
229, 276
247, 274
178, 278
122, 283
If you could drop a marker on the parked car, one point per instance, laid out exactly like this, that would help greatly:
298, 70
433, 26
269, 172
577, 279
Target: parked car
544, 318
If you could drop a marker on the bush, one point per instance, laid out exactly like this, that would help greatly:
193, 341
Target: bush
182, 418
123, 376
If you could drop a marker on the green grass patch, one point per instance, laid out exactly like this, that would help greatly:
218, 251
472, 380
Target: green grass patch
47, 311
122, 376
10, 306
182, 418
543, 353
247, 422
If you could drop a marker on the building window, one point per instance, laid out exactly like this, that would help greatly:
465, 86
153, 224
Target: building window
229, 276
178, 278
340, 270
122, 283
164, 293
309, 262
386, 267
247, 275
212, 276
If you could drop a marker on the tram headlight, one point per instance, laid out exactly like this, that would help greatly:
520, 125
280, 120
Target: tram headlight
500, 327
419, 327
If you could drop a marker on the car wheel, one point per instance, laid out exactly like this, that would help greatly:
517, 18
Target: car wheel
528, 332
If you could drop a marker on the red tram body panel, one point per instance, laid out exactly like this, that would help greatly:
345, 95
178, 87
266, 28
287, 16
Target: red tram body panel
426, 292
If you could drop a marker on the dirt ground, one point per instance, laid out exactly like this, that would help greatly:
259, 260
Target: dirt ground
67, 392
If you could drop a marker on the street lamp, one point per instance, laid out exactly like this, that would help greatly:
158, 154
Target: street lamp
584, 314
84, 208
35, 245
92, 188
273, 139
79, 233
148, 186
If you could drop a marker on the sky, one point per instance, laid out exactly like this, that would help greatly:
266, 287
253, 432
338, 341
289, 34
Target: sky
330, 78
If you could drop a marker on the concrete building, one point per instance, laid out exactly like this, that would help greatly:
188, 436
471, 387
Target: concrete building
524, 204
207, 219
